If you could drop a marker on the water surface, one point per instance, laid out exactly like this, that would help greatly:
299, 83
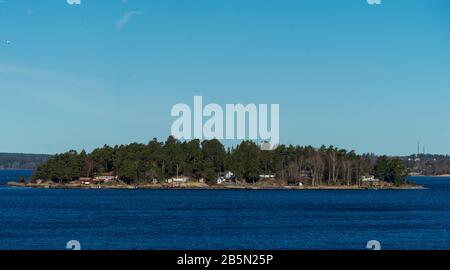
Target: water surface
226, 219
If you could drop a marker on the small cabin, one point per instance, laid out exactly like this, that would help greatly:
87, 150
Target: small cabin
229, 175
177, 180
85, 180
105, 177
369, 179
267, 177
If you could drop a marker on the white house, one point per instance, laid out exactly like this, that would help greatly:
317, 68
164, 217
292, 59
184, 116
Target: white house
229, 175
267, 176
105, 177
177, 180
369, 179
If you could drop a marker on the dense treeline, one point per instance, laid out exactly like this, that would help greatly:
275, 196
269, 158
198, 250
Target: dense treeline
139, 163
21, 161
391, 170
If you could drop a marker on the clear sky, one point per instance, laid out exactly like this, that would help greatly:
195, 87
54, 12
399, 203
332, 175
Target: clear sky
373, 78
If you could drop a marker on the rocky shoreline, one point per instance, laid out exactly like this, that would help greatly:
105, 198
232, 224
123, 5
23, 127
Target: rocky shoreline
204, 186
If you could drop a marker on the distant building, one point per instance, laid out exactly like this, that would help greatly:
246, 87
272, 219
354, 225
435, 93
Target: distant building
229, 175
369, 179
105, 178
267, 176
85, 180
177, 180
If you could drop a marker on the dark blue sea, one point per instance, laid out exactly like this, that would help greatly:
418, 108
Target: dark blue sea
225, 219
13, 175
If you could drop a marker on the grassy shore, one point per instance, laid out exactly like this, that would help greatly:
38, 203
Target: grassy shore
197, 185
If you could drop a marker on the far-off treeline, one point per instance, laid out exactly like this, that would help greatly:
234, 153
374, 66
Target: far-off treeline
206, 160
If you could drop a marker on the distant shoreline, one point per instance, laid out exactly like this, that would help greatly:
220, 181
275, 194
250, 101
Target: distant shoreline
440, 175
15, 169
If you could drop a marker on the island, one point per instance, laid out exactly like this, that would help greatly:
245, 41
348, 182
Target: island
208, 164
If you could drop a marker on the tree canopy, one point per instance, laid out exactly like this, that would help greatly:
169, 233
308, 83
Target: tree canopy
139, 163
391, 170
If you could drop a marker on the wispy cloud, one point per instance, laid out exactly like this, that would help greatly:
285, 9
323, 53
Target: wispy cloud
25, 71
48, 85
120, 24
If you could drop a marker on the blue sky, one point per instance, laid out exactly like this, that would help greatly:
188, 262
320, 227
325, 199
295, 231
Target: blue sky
374, 78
